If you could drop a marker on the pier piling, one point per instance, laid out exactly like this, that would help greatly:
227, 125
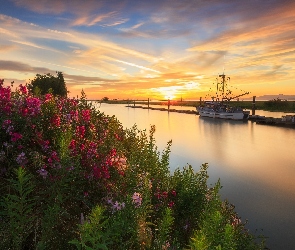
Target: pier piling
253, 105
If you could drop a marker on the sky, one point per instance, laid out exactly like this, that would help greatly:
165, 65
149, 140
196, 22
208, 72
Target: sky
157, 49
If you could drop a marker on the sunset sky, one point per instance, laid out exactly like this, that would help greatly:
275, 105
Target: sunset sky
161, 49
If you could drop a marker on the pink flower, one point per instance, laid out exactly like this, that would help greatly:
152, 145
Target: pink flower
80, 131
24, 111
53, 157
101, 172
48, 97
15, 137
23, 89
45, 145
171, 204
74, 115
6, 123
165, 194
86, 115
173, 192
55, 120
97, 172
33, 106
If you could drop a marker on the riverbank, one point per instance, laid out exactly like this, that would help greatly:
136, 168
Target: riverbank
273, 105
68, 169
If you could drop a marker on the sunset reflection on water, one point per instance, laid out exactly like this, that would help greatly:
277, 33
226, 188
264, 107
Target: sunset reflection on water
255, 163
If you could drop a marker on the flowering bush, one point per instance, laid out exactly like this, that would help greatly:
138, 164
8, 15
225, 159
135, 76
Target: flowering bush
73, 177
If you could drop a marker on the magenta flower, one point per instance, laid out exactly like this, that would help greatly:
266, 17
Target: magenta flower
48, 97
80, 131
86, 115
171, 204
173, 192
74, 115
6, 124
15, 137
164, 194
23, 89
33, 106
55, 121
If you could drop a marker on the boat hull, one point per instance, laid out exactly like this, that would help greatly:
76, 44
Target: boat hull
224, 115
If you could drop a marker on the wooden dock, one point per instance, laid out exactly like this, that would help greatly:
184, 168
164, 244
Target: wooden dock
167, 110
285, 121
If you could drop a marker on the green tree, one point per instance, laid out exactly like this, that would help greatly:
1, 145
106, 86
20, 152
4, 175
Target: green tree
48, 83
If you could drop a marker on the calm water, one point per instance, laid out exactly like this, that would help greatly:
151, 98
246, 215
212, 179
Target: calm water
255, 163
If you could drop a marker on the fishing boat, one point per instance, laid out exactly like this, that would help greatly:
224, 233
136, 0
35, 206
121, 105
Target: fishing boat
220, 106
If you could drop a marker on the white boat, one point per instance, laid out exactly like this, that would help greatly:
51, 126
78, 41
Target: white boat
221, 108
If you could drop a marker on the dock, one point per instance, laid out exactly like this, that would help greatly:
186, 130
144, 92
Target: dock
167, 110
285, 121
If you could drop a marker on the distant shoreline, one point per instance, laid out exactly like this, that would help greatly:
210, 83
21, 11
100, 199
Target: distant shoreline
287, 107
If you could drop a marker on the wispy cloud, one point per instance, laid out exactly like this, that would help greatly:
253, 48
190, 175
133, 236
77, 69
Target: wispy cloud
22, 67
136, 47
138, 66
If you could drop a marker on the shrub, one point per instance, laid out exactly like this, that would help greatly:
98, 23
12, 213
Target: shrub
47, 83
73, 177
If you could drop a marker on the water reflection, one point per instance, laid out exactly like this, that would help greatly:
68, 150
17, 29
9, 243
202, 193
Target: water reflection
256, 164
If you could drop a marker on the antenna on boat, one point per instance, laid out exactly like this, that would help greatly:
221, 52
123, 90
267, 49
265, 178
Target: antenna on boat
223, 63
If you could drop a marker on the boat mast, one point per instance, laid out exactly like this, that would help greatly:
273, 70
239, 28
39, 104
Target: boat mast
221, 89
222, 82
225, 97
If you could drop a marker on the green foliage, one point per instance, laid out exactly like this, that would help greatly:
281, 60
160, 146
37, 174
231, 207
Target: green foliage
17, 210
87, 181
191, 188
92, 231
276, 104
164, 228
220, 228
47, 83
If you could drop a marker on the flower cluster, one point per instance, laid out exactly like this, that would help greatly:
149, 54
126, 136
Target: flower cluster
5, 101
35, 123
165, 198
116, 206
137, 199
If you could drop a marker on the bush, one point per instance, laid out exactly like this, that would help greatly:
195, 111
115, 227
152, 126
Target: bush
276, 104
72, 177
47, 83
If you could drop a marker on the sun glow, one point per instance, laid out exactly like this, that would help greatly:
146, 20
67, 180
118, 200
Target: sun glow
169, 96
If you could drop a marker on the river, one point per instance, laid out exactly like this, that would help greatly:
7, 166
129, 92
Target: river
255, 163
